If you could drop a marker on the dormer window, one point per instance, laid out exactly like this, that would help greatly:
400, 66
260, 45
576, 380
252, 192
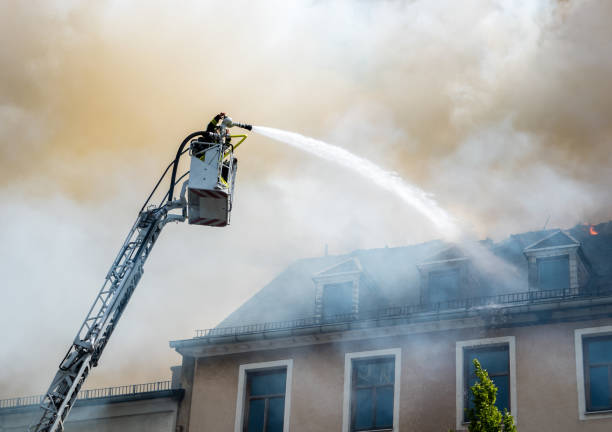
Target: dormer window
337, 289
337, 299
553, 272
443, 285
556, 262
445, 276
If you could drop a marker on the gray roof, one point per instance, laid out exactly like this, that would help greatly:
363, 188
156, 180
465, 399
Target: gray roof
394, 273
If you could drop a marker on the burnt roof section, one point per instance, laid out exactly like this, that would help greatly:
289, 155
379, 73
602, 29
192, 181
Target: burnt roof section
394, 272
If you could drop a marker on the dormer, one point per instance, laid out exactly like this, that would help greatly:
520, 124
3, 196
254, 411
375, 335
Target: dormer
447, 275
556, 262
337, 289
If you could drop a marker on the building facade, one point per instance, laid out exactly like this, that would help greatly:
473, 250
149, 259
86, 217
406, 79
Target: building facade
383, 340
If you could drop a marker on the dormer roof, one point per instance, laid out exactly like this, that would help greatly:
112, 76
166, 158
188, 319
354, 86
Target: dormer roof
554, 240
450, 254
348, 267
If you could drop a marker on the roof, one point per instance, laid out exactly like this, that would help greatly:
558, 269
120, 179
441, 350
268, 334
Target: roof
291, 294
394, 272
100, 396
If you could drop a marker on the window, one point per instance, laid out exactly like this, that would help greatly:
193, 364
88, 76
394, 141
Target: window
371, 391
553, 272
496, 360
598, 372
498, 357
443, 285
338, 298
263, 400
337, 289
594, 372
372, 394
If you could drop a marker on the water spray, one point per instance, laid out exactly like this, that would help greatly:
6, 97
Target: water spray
388, 180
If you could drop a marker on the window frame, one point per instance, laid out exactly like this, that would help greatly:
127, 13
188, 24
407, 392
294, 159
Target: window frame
266, 398
331, 276
350, 299
466, 368
579, 336
373, 388
460, 377
578, 269
432, 289
551, 258
347, 414
242, 393
461, 264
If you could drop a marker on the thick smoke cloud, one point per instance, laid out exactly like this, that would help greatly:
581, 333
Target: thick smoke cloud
501, 110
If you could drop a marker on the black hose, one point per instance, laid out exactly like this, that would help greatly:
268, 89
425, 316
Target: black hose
179, 153
159, 181
166, 196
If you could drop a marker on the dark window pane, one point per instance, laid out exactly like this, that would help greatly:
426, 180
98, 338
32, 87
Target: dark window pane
376, 372
276, 413
363, 409
553, 273
256, 415
443, 285
262, 384
600, 387
338, 298
600, 351
494, 360
503, 392
387, 372
364, 373
384, 406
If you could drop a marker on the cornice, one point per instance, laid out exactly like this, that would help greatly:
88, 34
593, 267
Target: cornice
487, 317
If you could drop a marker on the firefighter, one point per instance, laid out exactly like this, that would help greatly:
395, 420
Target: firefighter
214, 131
213, 126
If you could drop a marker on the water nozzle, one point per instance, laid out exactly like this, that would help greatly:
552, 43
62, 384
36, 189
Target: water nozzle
244, 126
228, 122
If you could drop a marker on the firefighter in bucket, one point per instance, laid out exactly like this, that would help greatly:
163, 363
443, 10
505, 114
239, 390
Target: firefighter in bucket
213, 172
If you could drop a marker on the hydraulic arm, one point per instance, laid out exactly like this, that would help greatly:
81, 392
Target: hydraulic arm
103, 316
120, 283
126, 271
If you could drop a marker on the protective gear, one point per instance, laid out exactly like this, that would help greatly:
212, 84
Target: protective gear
213, 126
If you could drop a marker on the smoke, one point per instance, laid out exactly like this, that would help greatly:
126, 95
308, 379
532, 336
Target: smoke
498, 109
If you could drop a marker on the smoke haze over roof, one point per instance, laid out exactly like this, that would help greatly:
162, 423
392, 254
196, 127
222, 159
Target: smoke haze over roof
500, 110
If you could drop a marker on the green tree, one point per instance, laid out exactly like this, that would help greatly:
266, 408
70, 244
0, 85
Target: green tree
485, 416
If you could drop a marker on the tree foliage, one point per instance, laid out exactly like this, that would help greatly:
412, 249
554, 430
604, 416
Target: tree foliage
485, 416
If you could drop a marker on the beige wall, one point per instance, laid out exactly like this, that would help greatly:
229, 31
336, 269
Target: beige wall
153, 415
546, 381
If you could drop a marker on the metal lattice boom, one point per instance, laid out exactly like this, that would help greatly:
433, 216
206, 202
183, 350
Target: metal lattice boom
120, 283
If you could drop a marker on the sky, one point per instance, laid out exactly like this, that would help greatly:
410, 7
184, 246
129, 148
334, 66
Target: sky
499, 110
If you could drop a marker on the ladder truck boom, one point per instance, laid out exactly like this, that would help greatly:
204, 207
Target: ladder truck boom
98, 326
127, 269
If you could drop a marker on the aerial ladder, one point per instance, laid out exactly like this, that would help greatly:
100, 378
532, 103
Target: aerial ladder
206, 199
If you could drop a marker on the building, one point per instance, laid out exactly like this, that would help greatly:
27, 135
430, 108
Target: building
150, 407
382, 340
